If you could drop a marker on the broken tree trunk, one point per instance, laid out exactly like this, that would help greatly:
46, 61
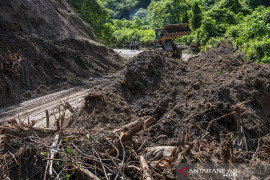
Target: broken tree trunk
128, 135
129, 125
24, 132
144, 169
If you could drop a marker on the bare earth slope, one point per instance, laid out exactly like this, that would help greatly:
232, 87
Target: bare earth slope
44, 43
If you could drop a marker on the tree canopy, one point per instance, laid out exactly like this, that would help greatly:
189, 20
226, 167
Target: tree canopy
245, 22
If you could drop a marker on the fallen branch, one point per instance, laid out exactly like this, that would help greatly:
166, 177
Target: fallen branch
47, 119
182, 154
144, 169
129, 125
24, 132
128, 135
114, 163
52, 151
196, 125
86, 172
69, 107
220, 118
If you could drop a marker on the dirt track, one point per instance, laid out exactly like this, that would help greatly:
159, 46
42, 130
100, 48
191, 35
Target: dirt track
35, 108
129, 54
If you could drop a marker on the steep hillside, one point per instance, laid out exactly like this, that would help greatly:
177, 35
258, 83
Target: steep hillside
44, 43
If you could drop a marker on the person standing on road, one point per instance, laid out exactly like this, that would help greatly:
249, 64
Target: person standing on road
131, 45
137, 45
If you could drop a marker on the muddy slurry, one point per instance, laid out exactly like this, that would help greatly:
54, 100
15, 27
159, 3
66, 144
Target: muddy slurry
46, 47
211, 109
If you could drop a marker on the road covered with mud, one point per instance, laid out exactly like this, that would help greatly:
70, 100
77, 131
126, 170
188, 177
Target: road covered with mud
35, 109
158, 112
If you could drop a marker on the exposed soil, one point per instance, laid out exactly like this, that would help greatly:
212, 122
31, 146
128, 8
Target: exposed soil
45, 47
35, 109
211, 109
154, 84
210, 93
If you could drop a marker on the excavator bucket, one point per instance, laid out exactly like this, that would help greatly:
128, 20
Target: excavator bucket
176, 30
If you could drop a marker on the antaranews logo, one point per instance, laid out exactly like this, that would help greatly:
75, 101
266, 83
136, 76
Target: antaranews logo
222, 171
182, 171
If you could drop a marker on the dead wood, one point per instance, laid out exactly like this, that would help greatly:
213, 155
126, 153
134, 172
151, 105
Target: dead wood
227, 150
118, 169
53, 150
128, 126
24, 132
144, 169
125, 136
88, 173
220, 118
69, 107
182, 154
47, 119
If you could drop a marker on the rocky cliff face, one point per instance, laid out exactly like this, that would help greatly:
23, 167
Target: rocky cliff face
45, 43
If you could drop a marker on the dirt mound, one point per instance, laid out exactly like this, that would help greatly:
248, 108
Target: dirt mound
211, 109
48, 19
217, 95
53, 45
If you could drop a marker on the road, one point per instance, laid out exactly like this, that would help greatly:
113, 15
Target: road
129, 54
34, 109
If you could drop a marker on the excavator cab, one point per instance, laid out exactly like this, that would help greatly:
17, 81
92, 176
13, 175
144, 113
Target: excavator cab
165, 37
159, 33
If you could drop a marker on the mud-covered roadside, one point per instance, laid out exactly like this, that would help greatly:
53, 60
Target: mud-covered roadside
212, 109
46, 47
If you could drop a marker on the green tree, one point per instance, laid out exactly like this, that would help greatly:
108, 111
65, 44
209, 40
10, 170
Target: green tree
167, 12
94, 13
208, 4
234, 5
255, 3
225, 16
196, 16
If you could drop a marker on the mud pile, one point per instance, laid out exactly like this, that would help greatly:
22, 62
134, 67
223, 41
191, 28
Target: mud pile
154, 84
205, 102
212, 109
54, 47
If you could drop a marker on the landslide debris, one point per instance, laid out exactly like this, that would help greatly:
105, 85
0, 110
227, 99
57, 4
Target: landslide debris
163, 111
46, 44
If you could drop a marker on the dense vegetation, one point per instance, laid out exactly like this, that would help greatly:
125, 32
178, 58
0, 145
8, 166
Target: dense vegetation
245, 22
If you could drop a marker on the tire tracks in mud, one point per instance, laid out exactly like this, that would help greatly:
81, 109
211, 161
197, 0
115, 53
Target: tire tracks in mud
34, 109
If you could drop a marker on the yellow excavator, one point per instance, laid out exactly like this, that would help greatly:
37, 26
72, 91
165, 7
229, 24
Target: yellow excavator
165, 38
